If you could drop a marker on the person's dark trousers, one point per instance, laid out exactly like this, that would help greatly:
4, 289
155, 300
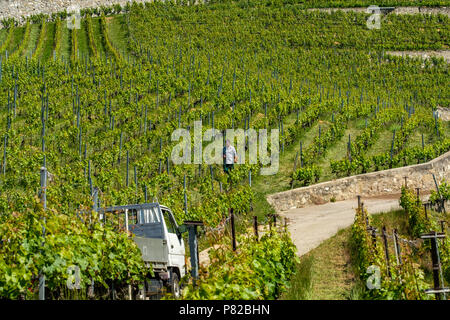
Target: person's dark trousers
228, 167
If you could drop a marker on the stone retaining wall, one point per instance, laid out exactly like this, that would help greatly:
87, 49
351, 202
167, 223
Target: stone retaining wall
379, 183
23, 8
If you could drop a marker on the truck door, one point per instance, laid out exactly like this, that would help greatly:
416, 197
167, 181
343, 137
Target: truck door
148, 228
175, 244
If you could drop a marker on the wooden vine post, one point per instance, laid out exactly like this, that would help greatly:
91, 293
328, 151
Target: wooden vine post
397, 248
255, 227
442, 222
301, 155
44, 204
374, 237
295, 168
386, 251
185, 197
438, 279
233, 231
128, 163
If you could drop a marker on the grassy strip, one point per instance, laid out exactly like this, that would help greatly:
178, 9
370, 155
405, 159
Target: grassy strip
24, 42
107, 42
117, 34
66, 44
3, 34
74, 49
83, 42
90, 32
8, 39
58, 37
49, 43
301, 282
98, 38
32, 40
326, 273
41, 40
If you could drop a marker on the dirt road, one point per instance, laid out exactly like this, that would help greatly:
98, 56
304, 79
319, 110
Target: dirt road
397, 10
311, 225
423, 54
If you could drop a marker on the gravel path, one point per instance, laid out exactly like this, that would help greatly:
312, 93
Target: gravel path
397, 10
423, 54
311, 225
444, 113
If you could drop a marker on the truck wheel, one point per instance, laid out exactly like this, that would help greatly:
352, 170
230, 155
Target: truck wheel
174, 286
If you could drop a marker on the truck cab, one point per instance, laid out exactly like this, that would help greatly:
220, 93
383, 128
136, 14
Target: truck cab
159, 238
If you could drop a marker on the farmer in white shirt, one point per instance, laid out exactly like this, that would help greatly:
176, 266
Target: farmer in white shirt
229, 157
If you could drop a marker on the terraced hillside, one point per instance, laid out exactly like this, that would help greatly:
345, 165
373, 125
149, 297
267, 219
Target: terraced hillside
98, 105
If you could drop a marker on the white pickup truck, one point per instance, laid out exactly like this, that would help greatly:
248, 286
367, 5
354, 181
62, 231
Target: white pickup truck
159, 238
